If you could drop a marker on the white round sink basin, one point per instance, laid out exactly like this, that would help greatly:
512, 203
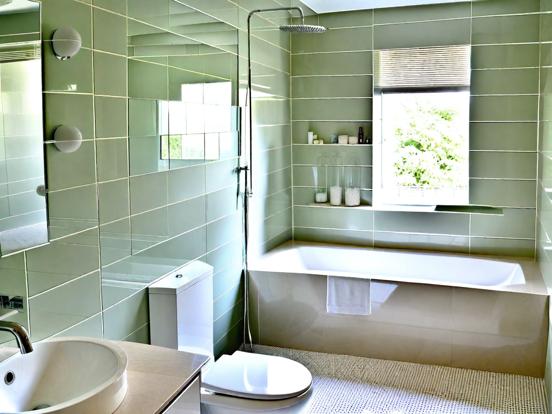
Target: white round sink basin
66, 375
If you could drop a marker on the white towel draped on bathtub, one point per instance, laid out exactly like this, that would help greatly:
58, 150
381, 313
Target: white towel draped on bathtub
348, 296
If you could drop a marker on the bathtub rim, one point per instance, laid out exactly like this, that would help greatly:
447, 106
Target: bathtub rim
534, 282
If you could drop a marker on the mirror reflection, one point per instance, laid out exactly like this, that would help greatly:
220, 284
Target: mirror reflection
23, 216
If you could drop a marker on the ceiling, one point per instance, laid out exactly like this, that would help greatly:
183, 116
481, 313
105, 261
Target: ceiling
329, 6
17, 6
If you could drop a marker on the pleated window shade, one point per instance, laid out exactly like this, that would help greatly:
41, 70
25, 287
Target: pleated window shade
423, 67
16, 53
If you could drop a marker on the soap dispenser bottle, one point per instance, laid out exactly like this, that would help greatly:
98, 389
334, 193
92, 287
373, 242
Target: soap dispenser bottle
361, 139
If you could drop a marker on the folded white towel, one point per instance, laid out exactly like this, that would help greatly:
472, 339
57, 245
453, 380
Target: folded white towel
348, 296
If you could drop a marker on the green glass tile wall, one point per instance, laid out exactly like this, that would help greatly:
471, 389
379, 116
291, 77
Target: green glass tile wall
544, 223
331, 88
121, 217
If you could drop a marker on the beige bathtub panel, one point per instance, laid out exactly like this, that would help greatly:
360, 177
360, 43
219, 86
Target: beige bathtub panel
499, 353
499, 313
416, 305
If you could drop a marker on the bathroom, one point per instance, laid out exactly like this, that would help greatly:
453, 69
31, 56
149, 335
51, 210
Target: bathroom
218, 166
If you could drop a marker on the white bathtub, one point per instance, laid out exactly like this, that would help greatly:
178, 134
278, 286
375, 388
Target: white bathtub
444, 309
403, 266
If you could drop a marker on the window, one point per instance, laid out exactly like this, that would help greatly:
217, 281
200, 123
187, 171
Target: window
421, 126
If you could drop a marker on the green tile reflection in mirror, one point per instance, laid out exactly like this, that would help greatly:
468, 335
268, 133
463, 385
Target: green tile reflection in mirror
23, 221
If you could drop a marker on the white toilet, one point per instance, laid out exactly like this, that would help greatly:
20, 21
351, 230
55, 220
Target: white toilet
181, 317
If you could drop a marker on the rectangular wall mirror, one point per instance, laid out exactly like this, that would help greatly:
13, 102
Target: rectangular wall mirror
23, 209
421, 126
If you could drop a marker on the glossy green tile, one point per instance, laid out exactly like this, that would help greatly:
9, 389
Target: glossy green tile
334, 218
504, 108
421, 13
514, 165
334, 109
112, 158
271, 111
148, 192
223, 231
417, 241
62, 260
178, 250
505, 56
502, 247
339, 236
111, 117
68, 109
546, 54
226, 301
110, 74
115, 241
227, 321
505, 81
546, 31
70, 170
496, 7
145, 155
230, 342
149, 228
228, 256
436, 33
157, 85
337, 63
335, 155
221, 203
126, 317
505, 29
65, 306
13, 275
156, 13
327, 87
432, 223
90, 328
186, 215
110, 32
73, 75
346, 19
272, 136
72, 210
60, 13
272, 160
140, 336
186, 183
113, 200
335, 40
514, 223
220, 174
499, 193
505, 136
118, 6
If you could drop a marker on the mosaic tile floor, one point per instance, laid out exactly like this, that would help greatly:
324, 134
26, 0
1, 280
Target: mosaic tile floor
354, 385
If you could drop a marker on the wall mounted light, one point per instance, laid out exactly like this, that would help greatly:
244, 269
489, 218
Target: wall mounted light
66, 43
67, 139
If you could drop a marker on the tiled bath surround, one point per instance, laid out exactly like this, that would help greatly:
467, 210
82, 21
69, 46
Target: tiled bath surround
117, 223
332, 93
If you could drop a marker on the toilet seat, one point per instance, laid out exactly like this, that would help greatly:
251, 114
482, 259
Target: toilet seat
257, 377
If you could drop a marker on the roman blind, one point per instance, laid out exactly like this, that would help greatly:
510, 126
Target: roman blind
423, 67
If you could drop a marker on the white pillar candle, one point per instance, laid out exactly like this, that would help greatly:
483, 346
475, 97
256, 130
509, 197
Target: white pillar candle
353, 140
352, 197
336, 195
321, 197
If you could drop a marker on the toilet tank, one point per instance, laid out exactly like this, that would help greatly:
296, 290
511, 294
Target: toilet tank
181, 309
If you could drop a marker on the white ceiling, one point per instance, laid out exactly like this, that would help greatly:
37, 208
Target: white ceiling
17, 6
329, 6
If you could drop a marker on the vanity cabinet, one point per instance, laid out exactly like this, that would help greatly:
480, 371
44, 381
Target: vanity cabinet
188, 402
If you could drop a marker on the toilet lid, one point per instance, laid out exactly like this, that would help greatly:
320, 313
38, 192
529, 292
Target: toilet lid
257, 376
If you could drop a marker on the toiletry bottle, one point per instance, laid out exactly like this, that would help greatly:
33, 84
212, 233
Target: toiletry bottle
361, 136
310, 137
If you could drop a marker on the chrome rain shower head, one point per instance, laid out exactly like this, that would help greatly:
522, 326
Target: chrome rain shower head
302, 28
